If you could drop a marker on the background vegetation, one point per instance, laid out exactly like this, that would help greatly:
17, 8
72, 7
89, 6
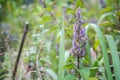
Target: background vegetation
46, 54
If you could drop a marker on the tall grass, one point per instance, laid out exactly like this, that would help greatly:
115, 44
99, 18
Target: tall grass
103, 47
114, 55
113, 51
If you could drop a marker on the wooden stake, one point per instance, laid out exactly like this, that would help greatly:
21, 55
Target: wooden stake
20, 50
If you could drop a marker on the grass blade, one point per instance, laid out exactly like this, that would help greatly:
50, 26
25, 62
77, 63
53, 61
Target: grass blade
104, 16
114, 55
88, 52
61, 55
103, 47
52, 74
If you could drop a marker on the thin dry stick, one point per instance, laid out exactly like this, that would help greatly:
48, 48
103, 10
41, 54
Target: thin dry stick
20, 49
78, 66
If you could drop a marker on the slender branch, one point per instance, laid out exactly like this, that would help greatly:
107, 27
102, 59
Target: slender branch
78, 66
45, 6
51, 14
20, 49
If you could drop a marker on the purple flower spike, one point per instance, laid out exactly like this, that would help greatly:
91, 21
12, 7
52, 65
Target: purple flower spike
79, 36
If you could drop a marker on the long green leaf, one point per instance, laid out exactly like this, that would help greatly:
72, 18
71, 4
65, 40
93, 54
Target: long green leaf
115, 57
103, 47
88, 52
105, 15
61, 55
52, 74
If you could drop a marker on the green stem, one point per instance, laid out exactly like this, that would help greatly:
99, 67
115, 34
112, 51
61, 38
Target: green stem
61, 56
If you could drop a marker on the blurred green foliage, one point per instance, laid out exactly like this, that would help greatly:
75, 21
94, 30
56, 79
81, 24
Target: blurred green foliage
40, 56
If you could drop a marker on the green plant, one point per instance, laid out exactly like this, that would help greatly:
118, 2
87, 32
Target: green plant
47, 51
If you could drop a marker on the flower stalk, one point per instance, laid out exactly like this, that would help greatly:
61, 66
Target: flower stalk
79, 39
